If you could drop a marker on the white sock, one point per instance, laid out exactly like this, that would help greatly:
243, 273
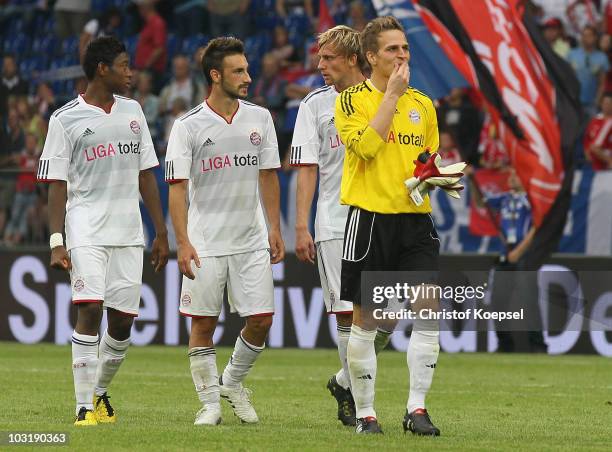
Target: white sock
240, 362
84, 365
422, 356
362, 367
343, 377
111, 354
204, 373
382, 340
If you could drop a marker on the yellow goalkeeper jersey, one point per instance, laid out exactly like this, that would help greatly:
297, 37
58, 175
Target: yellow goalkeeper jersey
374, 168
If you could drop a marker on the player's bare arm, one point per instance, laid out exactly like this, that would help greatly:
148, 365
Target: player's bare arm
178, 212
57, 212
270, 195
306, 185
150, 195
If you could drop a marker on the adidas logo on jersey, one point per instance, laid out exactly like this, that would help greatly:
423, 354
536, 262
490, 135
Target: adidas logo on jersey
88, 132
365, 377
332, 122
208, 142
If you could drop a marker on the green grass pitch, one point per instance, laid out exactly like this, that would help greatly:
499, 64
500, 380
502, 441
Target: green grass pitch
479, 401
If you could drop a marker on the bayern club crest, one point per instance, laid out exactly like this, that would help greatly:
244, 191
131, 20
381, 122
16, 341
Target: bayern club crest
415, 116
186, 299
135, 127
79, 284
255, 138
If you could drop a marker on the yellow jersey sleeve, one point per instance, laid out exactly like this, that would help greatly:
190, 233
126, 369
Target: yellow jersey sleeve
353, 127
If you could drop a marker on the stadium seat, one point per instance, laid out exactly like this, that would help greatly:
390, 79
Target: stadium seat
173, 43
70, 46
190, 45
130, 44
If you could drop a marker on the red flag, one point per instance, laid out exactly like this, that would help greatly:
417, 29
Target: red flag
326, 21
505, 47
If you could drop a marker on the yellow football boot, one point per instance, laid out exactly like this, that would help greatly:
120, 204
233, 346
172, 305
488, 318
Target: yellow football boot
103, 409
85, 418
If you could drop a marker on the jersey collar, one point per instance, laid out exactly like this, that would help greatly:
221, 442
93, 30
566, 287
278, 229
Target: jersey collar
220, 116
84, 103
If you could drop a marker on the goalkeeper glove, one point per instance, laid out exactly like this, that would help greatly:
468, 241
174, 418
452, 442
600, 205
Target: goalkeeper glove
428, 174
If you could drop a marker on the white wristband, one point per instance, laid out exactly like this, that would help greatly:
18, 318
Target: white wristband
56, 239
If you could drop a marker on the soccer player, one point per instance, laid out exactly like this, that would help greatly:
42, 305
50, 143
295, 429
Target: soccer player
384, 125
226, 151
97, 156
316, 147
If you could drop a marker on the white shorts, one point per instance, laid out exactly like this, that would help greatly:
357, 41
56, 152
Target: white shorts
248, 277
329, 258
112, 274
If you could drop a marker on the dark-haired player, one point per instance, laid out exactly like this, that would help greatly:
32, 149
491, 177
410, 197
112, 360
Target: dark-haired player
225, 151
97, 158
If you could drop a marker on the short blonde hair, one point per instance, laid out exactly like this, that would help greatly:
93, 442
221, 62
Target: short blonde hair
369, 35
345, 40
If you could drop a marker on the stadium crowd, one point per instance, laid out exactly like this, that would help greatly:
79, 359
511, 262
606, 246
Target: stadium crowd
43, 41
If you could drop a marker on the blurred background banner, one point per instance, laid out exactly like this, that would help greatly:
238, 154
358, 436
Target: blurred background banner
36, 307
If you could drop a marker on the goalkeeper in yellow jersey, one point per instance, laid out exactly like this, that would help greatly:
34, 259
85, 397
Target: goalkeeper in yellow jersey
385, 124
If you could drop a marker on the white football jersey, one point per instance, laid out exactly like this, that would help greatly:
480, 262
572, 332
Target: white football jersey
100, 155
222, 161
316, 142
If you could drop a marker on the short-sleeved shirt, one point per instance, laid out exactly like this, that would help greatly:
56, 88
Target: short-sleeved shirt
316, 142
152, 36
588, 67
376, 167
222, 161
100, 155
515, 213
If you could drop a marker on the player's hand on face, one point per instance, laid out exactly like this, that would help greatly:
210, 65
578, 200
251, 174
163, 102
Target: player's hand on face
304, 246
185, 254
399, 79
277, 247
60, 258
159, 252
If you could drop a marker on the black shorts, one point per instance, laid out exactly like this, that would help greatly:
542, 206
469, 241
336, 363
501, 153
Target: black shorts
386, 242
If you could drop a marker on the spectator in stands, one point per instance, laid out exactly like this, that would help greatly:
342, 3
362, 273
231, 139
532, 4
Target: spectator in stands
31, 120
45, 100
269, 89
181, 85
357, 17
107, 25
300, 88
190, 16
151, 46
287, 8
462, 119
147, 100
598, 136
448, 150
70, 17
493, 154
25, 191
14, 135
591, 66
196, 69
11, 80
282, 49
228, 17
553, 33
179, 107
605, 45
